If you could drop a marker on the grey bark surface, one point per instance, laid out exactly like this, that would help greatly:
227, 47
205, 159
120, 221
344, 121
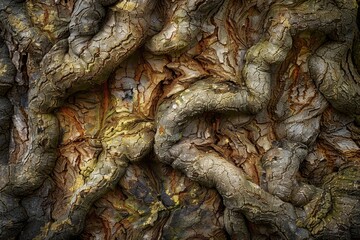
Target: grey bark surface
190, 119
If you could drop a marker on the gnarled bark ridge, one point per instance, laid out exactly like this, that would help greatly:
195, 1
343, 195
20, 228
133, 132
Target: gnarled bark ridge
258, 100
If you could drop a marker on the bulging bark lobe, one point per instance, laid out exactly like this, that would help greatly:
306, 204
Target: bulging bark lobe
121, 117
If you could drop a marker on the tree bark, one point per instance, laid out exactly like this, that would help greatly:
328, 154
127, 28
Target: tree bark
189, 119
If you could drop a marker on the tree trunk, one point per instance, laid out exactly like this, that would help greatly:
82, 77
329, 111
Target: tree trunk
188, 119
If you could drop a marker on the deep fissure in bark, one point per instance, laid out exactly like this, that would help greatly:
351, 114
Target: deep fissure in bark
240, 114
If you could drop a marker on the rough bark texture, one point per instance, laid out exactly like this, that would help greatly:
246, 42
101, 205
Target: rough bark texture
188, 119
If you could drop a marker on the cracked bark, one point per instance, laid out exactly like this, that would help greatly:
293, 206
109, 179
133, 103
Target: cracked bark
120, 117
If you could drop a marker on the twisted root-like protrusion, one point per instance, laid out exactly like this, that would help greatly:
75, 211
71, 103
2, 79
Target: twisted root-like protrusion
183, 26
65, 73
12, 215
214, 171
86, 61
281, 165
331, 68
72, 65
18, 179
126, 139
21, 178
14, 19
26, 175
337, 79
